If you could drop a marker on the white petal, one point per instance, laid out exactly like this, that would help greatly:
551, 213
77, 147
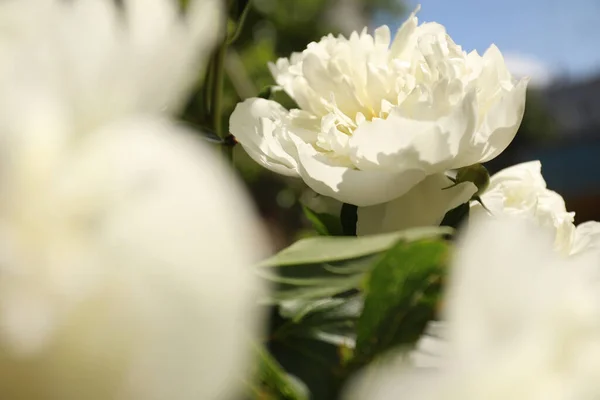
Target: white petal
521, 191
587, 237
502, 121
400, 142
495, 68
331, 84
382, 36
424, 205
254, 123
403, 37
348, 185
515, 253
389, 145
530, 171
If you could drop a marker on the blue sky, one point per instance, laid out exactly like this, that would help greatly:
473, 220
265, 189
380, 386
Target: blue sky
555, 37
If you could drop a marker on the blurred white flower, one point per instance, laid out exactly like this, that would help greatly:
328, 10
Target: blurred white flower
377, 116
125, 268
108, 60
524, 323
521, 191
125, 245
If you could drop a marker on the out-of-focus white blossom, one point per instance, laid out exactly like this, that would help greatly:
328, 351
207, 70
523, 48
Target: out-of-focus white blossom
125, 244
521, 191
108, 60
124, 268
378, 115
523, 323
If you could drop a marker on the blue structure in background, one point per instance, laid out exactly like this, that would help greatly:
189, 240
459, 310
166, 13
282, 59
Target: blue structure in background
571, 169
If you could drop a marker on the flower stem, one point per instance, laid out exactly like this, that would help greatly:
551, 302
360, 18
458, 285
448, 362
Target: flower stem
349, 218
218, 75
206, 93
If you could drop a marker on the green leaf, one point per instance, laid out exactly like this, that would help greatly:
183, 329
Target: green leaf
273, 382
331, 288
311, 340
331, 320
401, 297
324, 249
315, 281
316, 363
325, 224
349, 218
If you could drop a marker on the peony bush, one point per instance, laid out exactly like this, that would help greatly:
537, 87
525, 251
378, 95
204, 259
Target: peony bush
133, 266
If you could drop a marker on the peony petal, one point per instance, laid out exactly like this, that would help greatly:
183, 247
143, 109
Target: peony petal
254, 123
587, 237
503, 120
388, 144
404, 34
361, 188
495, 68
515, 253
530, 171
400, 142
331, 84
424, 205
382, 36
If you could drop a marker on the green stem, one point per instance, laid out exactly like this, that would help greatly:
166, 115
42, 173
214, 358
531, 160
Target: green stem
218, 75
239, 25
349, 218
206, 93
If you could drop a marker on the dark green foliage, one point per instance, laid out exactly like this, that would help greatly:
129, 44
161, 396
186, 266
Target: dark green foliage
340, 302
323, 223
401, 297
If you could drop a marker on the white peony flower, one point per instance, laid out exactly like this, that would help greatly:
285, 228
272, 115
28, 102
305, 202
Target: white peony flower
541, 341
521, 191
377, 116
125, 246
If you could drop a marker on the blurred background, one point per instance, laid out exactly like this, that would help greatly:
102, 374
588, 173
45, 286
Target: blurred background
556, 43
